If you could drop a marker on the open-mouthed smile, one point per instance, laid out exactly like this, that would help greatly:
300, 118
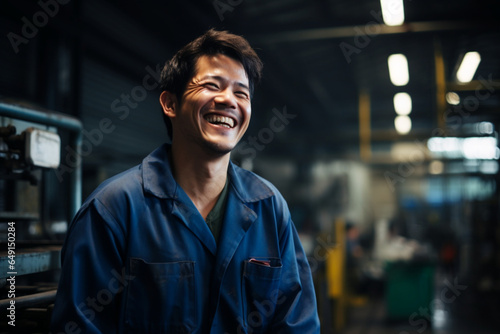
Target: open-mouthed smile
224, 121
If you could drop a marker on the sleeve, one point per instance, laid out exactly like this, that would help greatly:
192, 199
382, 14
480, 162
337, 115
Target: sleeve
296, 308
92, 274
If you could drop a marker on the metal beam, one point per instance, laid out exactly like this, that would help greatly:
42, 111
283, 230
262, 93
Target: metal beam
32, 300
30, 261
475, 85
370, 28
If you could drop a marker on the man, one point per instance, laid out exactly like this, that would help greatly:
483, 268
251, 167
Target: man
187, 242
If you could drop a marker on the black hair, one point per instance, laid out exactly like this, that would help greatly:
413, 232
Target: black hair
181, 67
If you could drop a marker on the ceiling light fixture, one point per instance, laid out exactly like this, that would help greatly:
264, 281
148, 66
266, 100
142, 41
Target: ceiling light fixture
402, 104
402, 124
468, 66
393, 12
452, 98
398, 69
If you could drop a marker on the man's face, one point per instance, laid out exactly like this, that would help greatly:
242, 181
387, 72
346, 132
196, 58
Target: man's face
215, 108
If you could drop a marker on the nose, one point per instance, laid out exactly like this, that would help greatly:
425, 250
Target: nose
226, 98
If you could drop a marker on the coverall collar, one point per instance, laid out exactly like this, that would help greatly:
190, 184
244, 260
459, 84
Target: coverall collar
159, 181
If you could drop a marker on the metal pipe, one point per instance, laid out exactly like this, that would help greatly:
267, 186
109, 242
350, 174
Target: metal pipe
46, 117
62, 121
32, 300
75, 187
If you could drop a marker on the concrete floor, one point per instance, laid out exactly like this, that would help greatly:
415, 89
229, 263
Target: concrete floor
457, 309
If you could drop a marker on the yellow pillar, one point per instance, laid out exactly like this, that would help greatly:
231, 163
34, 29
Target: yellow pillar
335, 272
440, 86
364, 126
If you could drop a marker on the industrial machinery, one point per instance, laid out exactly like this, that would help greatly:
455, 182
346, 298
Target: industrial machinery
37, 202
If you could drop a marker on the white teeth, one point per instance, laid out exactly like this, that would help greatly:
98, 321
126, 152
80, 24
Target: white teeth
227, 122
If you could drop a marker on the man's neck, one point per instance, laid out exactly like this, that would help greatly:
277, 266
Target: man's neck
201, 175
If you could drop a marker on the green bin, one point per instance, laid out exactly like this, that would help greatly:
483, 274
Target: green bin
409, 289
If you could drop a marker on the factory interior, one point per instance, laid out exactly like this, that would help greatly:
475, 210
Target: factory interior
387, 150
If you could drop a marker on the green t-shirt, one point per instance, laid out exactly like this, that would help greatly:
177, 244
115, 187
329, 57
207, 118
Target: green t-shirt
216, 216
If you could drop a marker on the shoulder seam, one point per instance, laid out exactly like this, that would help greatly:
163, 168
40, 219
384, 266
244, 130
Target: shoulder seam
111, 214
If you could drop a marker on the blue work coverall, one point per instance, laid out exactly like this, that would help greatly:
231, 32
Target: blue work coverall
139, 258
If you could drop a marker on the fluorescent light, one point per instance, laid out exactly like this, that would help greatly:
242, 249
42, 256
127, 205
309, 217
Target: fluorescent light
402, 124
402, 104
452, 98
480, 148
393, 12
398, 69
471, 148
445, 147
468, 66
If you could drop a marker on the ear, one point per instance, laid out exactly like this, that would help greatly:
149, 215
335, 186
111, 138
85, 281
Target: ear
169, 103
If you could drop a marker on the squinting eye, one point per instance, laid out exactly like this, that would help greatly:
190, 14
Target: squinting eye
242, 94
212, 85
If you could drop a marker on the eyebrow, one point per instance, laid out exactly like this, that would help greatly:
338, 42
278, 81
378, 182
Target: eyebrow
218, 77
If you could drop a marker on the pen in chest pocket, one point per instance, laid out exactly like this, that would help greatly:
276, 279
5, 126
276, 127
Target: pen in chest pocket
261, 262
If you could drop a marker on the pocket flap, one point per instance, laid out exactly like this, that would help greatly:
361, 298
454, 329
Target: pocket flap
263, 268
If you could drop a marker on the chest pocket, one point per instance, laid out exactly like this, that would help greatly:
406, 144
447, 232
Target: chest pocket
261, 289
161, 297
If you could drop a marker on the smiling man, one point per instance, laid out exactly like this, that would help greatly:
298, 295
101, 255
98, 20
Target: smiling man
187, 242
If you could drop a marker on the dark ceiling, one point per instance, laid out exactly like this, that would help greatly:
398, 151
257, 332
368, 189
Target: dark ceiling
319, 56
